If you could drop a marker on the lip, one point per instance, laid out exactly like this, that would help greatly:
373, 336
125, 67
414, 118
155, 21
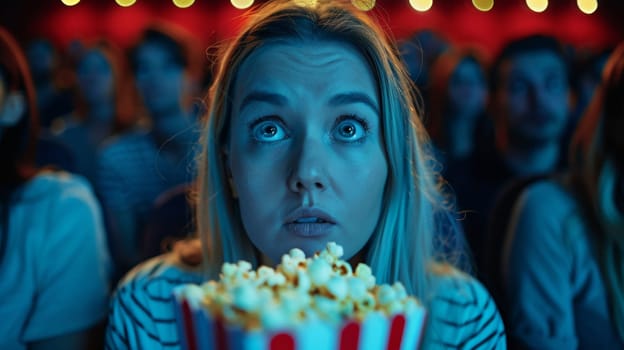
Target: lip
309, 229
309, 212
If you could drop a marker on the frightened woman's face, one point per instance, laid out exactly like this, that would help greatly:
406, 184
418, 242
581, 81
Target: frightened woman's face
305, 149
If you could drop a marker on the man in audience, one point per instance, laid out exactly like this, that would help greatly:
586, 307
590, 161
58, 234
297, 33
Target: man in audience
138, 165
529, 102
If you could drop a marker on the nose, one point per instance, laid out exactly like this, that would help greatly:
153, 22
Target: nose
309, 168
537, 97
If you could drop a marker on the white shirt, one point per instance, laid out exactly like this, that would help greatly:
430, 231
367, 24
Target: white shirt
55, 270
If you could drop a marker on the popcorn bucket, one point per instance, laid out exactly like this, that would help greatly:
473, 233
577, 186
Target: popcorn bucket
200, 331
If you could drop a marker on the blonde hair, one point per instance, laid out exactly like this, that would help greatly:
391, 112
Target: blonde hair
596, 157
401, 246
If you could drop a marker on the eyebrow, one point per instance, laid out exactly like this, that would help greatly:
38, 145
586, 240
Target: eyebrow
263, 96
354, 97
336, 100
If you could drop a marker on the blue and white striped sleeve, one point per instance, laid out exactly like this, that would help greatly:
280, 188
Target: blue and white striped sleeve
142, 310
463, 315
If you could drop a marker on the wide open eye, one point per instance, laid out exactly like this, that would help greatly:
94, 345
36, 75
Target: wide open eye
268, 130
350, 128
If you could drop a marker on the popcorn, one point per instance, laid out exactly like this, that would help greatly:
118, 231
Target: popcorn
321, 292
319, 271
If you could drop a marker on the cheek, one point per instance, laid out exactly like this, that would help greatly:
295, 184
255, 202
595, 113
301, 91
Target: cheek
256, 179
560, 104
365, 190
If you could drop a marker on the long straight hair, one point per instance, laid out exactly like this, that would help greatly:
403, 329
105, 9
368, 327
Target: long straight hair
597, 159
17, 143
400, 248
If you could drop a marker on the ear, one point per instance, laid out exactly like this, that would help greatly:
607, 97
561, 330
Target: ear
12, 110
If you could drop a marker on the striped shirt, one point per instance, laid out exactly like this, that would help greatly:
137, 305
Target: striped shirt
462, 315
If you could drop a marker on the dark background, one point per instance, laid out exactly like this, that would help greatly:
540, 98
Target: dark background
216, 20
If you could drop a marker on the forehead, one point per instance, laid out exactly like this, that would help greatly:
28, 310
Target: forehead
152, 51
468, 66
320, 59
534, 63
93, 56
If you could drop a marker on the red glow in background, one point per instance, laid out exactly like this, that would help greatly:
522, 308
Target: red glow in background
216, 20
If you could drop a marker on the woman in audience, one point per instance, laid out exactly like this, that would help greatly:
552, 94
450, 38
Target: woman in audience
457, 103
563, 262
311, 137
54, 261
105, 102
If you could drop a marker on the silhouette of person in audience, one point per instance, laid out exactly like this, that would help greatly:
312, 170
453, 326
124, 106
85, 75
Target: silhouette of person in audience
105, 105
136, 166
563, 258
54, 260
529, 104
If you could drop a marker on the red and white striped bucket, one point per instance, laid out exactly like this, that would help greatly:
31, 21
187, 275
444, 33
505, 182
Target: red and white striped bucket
199, 331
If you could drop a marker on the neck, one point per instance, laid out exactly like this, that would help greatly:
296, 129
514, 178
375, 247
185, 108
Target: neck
101, 113
165, 127
460, 136
526, 161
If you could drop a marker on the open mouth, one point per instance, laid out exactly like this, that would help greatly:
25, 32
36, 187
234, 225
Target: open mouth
310, 220
310, 227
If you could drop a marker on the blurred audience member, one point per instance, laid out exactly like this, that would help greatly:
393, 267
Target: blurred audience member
529, 104
53, 258
564, 256
531, 107
585, 77
105, 104
455, 111
418, 52
137, 166
456, 105
54, 97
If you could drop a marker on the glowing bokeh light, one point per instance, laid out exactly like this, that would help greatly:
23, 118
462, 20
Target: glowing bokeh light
421, 5
483, 5
70, 2
587, 6
183, 3
537, 5
242, 4
125, 3
306, 3
364, 5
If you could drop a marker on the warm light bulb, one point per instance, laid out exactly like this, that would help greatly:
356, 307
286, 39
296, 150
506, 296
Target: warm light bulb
70, 2
242, 4
587, 6
183, 3
306, 3
421, 5
364, 5
537, 5
125, 3
483, 5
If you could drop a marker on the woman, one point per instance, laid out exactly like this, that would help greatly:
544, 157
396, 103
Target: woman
53, 257
311, 137
562, 277
457, 103
105, 104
